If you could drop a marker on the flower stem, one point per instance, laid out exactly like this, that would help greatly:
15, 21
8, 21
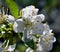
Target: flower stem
6, 44
3, 43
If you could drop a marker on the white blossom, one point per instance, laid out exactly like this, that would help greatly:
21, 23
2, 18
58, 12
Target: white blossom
46, 41
29, 49
11, 47
29, 11
31, 24
39, 48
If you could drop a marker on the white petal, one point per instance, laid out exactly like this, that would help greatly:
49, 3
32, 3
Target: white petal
49, 36
10, 19
18, 25
29, 11
29, 50
38, 29
53, 40
11, 47
42, 17
47, 46
38, 18
39, 48
46, 27
47, 41
47, 32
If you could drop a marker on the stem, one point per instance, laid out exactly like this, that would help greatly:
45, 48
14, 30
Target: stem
3, 43
6, 44
3, 11
25, 35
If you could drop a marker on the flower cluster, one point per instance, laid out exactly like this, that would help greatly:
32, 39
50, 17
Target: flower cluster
31, 26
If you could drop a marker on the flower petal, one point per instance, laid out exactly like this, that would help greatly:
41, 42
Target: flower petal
18, 26
11, 47
39, 48
53, 40
29, 50
29, 11
46, 27
38, 18
47, 46
10, 19
38, 29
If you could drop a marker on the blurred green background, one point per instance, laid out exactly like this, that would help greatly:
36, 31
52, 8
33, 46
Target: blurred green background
51, 9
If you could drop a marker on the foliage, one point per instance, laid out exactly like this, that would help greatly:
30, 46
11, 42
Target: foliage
13, 8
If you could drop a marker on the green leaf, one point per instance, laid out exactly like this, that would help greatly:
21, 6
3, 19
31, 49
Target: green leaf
20, 47
31, 44
20, 36
13, 8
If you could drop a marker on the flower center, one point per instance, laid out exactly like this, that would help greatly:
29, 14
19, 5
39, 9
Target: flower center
29, 24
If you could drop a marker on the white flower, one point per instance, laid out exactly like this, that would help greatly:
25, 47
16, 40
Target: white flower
47, 41
39, 48
38, 29
19, 25
33, 26
29, 11
11, 47
33, 23
29, 49
29, 24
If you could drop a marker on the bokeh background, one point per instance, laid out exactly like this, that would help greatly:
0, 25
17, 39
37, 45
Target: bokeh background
51, 9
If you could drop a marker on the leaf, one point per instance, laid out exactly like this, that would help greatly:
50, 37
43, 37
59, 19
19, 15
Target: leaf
13, 8
20, 47
31, 44
20, 36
